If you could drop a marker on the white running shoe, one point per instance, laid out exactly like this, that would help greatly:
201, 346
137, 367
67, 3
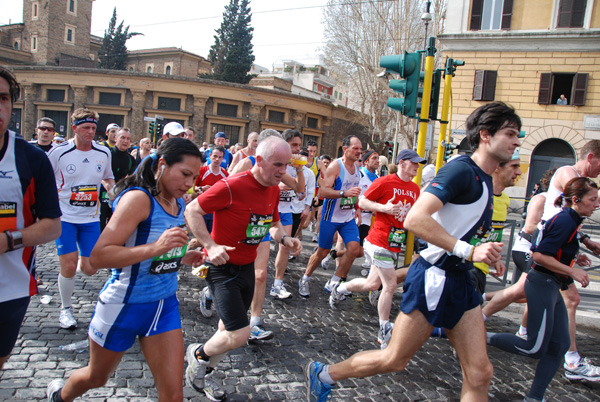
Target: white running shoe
67, 319
326, 261
280, 292
385, 334
304, 287
582, 370
374, 297
315, 237
53, 387
196, 369
335, 297
206, 303
257, 333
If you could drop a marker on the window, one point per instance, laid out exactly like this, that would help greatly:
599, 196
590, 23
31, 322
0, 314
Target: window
34, 46
16, 46
149, 69
71, 6
484, 88
34, 10
276, 116
55, 95
572, 85
69, 35
491, 14
224, 109
571, 13
312, 122
109, 98
306, 138
232, 132
169, 103
168, 70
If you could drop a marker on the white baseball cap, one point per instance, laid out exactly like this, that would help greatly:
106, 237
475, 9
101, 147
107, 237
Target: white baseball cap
173, 128
111, 126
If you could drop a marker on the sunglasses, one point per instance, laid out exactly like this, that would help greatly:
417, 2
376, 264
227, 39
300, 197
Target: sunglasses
46, 129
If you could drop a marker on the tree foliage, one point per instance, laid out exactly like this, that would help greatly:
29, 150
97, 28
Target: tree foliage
357, 34
231, 55
113, 53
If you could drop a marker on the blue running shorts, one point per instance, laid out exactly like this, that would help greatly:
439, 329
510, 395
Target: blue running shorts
348, 231
78, 235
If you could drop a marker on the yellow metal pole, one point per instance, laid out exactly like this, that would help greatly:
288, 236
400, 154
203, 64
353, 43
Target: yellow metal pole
439, 160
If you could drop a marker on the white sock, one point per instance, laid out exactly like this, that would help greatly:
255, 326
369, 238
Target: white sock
325, 377
335, 279
66, 287
484, 317
382, 323
572, 357
305, 278
483, 297
254, 321
278, 282
523, 330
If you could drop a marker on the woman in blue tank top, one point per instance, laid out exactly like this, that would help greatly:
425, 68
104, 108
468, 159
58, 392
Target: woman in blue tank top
144, 244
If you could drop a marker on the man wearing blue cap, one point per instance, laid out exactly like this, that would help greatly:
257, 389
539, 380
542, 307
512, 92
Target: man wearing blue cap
220, 140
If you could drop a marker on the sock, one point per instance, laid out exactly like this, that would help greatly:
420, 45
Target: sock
254, 321
483, 297
522, 330
56, 397
325, 377
200, 353
335, 279
382, 323
305, 278
216, 359
572, 357
333, 254
277, 282
66, 286
484, 317
342, 289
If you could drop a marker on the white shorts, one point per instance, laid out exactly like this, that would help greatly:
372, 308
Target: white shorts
379, 256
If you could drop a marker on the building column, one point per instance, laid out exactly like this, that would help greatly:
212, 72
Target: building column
137, 116
198, 118
29, 117
80, 96
254, 117
298, 120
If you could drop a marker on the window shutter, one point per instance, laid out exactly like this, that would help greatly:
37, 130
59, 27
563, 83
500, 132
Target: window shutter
476, 13
478, 86
489, 85
506, 14
545, 89
579, 89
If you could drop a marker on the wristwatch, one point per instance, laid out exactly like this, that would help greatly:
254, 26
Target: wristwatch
341, 193
15, 239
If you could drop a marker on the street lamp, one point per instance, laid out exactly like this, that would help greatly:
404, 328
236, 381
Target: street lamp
426, 17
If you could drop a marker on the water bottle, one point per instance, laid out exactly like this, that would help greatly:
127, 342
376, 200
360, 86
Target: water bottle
77, 346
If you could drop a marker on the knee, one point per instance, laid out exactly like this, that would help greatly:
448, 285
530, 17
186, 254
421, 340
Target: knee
354, 249
392, 363
479, 376
97, 380
260, 275
572, 300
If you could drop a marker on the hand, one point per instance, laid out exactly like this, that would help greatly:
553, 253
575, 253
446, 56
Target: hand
193, 258
581, 276
187, 198
391, 208
488, 253
352, 192
592, 246
294, 244
301, 196
500, 269
305, 212
204, 188
283, 187
583, 260
217, 254
170, 239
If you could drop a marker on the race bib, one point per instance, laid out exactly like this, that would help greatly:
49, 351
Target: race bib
8, 215
496, 234
168, 262
257, 228
348, 202
286, 196
84, 196
396, 237
481, 236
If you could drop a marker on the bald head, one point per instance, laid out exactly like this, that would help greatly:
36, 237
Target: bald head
272, 157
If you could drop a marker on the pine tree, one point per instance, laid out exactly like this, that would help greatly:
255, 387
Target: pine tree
231, 56
113, 53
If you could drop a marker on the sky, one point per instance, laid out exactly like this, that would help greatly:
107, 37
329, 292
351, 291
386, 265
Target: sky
283, 29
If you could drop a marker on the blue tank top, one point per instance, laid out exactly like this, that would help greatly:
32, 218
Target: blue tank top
152, 279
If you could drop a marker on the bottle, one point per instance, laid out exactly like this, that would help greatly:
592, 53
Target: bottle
77, 346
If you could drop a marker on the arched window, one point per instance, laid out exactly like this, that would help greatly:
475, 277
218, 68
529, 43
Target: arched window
149, 69
168, 70
16, 45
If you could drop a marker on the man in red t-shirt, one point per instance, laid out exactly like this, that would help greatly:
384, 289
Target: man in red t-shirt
209, 175
245, 208
391, 197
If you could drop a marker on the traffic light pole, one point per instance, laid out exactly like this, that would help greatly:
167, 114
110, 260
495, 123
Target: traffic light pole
449, 73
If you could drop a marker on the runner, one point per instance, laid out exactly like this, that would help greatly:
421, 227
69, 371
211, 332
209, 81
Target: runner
144, 244
80, 166
232, 250
553, 255
249, 150
438, 290
341, 190
391, 197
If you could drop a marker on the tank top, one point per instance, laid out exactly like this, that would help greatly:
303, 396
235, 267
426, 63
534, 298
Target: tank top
552, 194
341, 210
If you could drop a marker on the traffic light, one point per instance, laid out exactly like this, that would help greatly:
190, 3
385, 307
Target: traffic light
151, 129
390, 149
435, 94
449, 151
159, 129
408, 66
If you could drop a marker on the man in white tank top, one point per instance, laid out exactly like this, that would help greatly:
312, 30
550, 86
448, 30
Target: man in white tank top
576, 367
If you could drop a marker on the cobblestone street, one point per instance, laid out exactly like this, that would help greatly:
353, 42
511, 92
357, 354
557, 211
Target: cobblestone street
305, 329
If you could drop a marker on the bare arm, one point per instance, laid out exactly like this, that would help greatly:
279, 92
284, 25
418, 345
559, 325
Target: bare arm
236, 158
42, 231
554, 265
278, 233
535, 210
245, 164
387, 208
296, 184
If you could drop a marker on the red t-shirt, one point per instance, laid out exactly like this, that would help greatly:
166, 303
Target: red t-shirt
208, 178
243, 211
388, 230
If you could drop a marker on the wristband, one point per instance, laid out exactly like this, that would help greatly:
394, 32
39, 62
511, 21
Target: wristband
9, 240
282, 238
463, 250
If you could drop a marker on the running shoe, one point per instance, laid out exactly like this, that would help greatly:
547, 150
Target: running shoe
304, 287
196, 369
326, 262
583, 370
315, 237
317, 390
529, 399
54, 388
374, 297
366, 265
279, 292
206, 303
522, 336
212, 389
335, 297
67, 319
257, 333
385, 334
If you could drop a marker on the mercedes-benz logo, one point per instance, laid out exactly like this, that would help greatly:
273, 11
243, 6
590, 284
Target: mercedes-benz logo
71, 169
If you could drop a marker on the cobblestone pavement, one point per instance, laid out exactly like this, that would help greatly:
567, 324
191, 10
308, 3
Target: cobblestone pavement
306, 329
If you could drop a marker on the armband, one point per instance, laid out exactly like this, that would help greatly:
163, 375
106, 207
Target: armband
463, 250
582, 236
